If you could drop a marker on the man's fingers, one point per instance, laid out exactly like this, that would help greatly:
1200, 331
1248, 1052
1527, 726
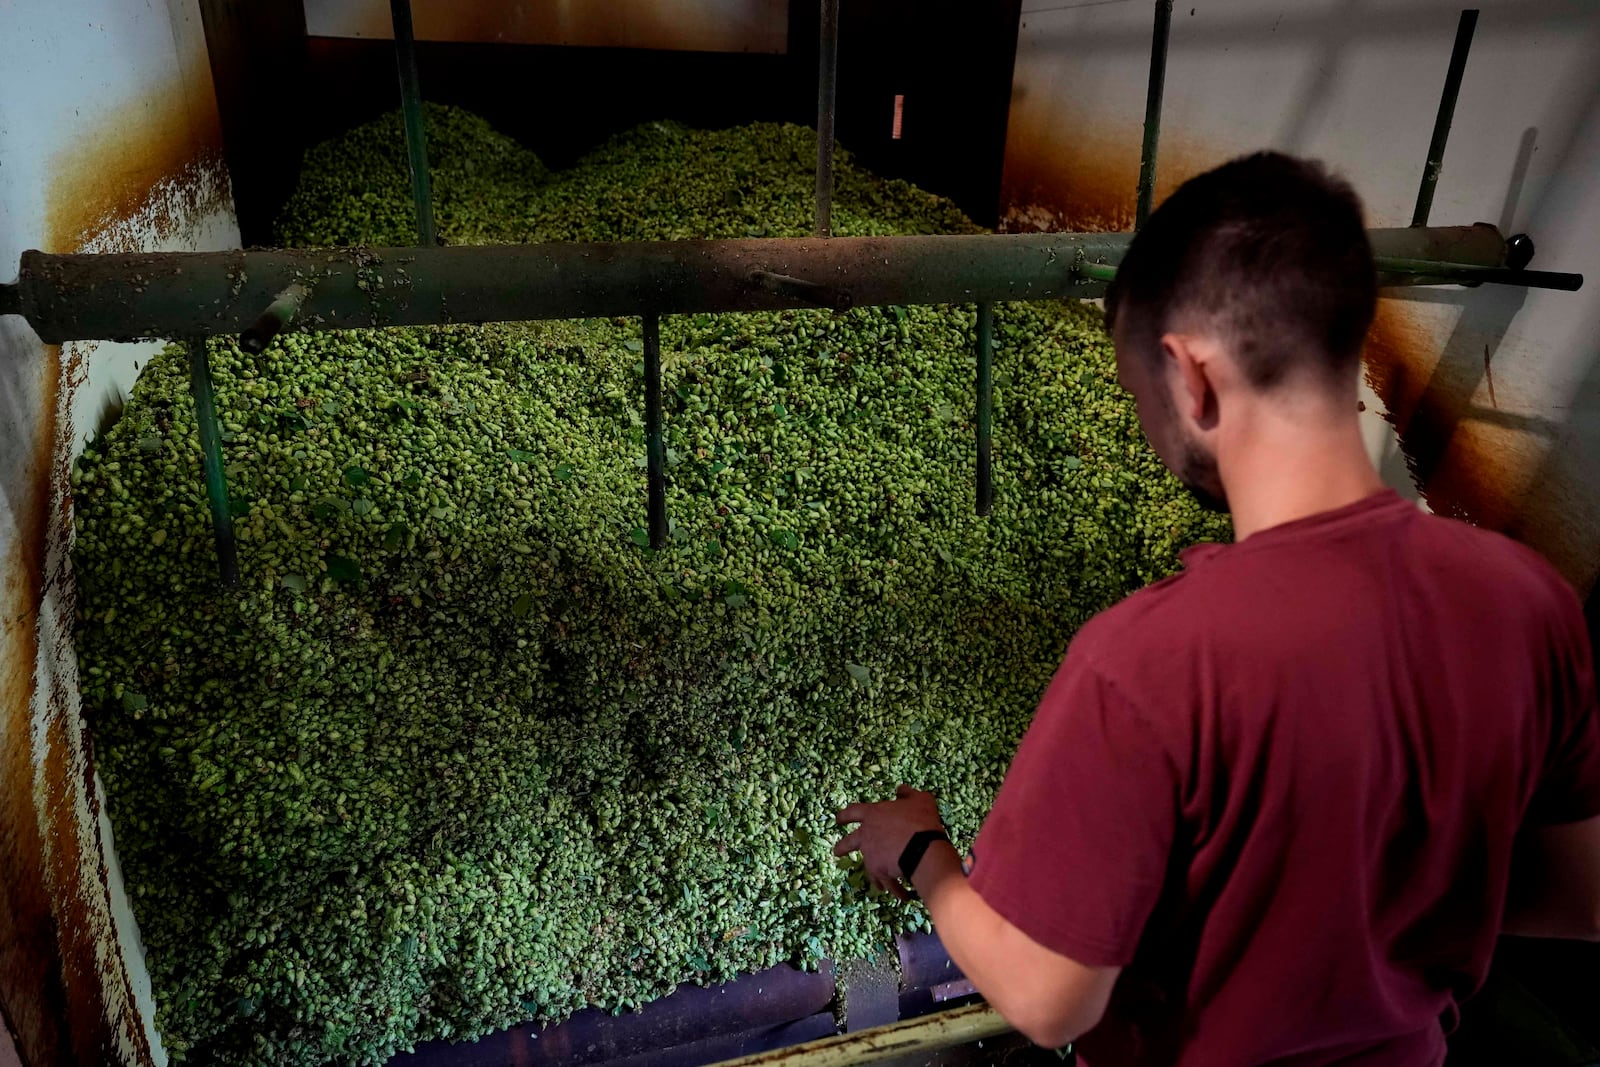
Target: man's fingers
847, 844
853, 813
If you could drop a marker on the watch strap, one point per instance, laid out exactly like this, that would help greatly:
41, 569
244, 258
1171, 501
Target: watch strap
912, 854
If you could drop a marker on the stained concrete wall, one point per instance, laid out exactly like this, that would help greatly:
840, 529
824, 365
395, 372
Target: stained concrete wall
1492, 394
108, 142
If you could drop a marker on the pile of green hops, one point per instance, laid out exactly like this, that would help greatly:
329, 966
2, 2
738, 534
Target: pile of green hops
356, 189
462, 750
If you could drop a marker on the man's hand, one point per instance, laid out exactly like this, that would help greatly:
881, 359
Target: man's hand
885, 830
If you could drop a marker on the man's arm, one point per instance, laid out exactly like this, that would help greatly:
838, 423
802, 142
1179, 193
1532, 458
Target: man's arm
1555, 882
1050, 998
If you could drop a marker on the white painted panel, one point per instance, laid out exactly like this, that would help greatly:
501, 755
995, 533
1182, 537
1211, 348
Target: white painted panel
1356, 83
109, 141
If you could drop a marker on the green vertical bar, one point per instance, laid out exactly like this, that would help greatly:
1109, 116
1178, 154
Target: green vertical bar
827, 96
655, 453
985, 408
205, 410
405, 53
1152, 110
1465, 27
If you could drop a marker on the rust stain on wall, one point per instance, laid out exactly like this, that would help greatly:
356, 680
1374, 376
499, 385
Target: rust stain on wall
30, 978
1467, 464
144, 172
1463, 467
155, 161
1067, 172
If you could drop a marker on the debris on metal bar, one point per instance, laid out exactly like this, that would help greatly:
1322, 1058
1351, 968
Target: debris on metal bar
279, 314
800, 289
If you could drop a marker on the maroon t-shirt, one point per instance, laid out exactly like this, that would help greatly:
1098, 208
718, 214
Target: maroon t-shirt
1281, 788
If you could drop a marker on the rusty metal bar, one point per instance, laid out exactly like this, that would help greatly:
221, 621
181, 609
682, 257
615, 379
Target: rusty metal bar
985, 408
205, 411
405, 54
1152, 110
655, 452
945, 1029
1435, 272
131, 296
827, 99
1395, 272
127, 296
1447, 110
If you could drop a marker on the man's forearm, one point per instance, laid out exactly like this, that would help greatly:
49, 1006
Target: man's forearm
1051, 999
964, 922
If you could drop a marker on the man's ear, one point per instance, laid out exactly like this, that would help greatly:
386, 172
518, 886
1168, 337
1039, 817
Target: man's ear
1192, 362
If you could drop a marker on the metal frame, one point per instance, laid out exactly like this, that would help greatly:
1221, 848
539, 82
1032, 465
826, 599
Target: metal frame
196, 295
945, 1029
193, 296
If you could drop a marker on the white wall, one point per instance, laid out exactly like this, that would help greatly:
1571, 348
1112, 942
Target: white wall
1357, 83
109, 141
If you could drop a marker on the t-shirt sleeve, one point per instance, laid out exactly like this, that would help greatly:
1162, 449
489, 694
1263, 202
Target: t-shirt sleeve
1569, 788
1074, 852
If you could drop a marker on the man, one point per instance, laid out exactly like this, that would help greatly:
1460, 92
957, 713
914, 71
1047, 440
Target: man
1282, 788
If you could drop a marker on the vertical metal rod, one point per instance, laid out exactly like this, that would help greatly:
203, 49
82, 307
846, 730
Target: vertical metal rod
655, 453
1447, 110
827, 92
405, 54
1152, 110
985, 407
205, 410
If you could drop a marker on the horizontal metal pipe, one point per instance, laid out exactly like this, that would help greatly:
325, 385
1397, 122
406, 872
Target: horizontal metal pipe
1394, 272
1435, 272
136, 295
944, 1029
129, 296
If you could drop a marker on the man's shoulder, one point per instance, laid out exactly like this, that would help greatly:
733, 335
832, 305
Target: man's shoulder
1162, 615
1494, 562
1229, 596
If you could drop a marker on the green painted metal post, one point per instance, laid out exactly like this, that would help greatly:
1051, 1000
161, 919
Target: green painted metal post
1447, 110
205, 410
827, 92
1152, 110
985, 408
655, 452
405, 54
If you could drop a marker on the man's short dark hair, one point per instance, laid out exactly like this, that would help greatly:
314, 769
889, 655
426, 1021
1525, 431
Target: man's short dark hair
1269, 253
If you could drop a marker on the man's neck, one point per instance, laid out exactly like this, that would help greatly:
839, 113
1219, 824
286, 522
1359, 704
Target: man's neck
1291, 464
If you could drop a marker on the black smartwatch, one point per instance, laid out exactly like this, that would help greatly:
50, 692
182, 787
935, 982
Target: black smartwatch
911, 855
